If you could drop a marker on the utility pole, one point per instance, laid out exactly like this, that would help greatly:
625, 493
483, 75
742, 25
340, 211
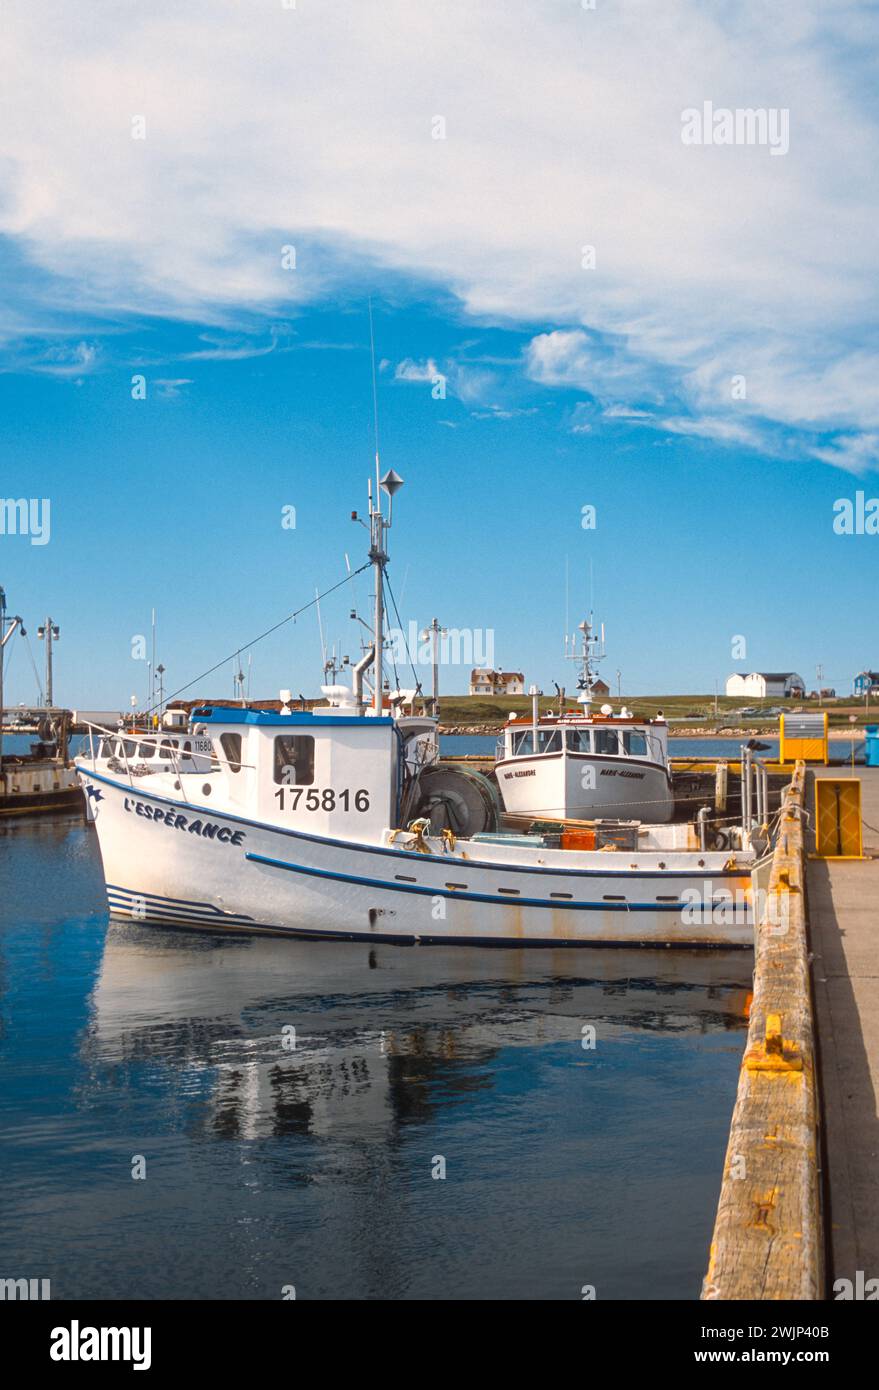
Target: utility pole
819, 676
434, 632
619, 684
49, 632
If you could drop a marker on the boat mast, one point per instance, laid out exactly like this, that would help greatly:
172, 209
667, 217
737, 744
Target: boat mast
49, 632
4, 638
592, 651
378, 526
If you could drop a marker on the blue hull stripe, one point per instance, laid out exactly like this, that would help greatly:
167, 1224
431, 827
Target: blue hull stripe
141, 904
496, 900
411, 856
173, 902
159, 910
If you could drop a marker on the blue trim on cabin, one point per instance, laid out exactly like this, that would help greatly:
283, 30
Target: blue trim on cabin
513, 900
412, 856
207, 714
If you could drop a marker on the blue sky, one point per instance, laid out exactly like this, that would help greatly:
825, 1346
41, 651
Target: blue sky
566, 386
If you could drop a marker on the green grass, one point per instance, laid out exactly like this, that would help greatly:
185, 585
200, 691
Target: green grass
698, 709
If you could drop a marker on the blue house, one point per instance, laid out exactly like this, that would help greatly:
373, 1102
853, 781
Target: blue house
866, 683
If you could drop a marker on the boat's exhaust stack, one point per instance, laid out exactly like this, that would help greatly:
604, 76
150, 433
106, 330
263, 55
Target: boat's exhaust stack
362, 665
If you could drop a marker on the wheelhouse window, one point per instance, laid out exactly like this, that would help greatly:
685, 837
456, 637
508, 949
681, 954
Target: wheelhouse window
231, 746
579, 741
146, 750
523, 743
294, 760
549, 741
606, 741
635, 743
166, 750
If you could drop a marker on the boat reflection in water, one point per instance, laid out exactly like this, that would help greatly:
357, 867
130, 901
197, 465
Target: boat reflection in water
308, 1095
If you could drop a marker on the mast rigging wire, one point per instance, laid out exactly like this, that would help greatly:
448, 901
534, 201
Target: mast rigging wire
269, 630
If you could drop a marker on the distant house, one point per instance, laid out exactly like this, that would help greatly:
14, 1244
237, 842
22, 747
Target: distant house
600, 688
486, 681
767, 684
866, 683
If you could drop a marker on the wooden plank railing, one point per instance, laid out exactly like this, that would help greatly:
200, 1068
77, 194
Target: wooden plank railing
767, 1241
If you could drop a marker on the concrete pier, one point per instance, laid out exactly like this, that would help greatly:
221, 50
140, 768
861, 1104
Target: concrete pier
843, 913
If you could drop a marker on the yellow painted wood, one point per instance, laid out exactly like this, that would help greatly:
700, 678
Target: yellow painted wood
838, 825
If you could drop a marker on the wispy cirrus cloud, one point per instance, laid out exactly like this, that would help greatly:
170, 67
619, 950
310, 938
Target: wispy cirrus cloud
59, 358
171, 388
232, 348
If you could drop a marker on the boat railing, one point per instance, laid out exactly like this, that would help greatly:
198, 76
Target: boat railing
124, 737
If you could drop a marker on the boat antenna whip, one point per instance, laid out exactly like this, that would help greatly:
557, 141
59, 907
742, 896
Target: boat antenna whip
378, 525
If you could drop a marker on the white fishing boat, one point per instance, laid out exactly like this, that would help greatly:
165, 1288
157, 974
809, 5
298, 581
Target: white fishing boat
579, 765
336, 822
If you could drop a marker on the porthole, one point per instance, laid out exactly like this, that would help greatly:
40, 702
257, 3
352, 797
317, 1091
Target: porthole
206, 789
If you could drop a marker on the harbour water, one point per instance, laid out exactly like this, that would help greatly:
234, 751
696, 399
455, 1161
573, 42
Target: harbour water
312, 1159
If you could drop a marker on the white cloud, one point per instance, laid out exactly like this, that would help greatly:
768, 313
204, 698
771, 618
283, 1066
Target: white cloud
721, 430
268, 127
410, 370
170, 388
471, 385
224, 349
61, 359
857, 453
573, 358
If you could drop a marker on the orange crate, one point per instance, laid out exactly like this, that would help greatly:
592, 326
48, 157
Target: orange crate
578, 839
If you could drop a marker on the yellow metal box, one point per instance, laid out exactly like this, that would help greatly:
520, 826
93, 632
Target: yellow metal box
803, 738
